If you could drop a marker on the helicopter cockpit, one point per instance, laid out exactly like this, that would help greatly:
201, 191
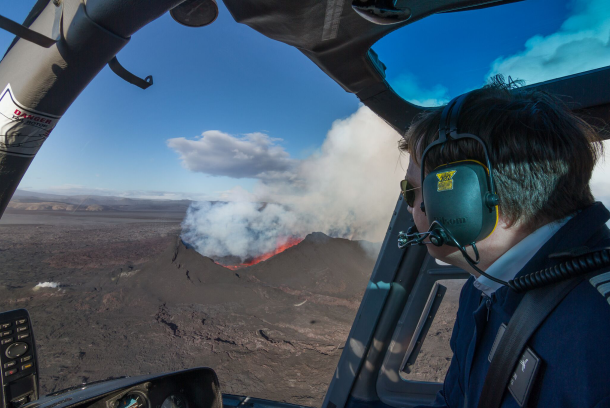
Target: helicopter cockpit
397, 349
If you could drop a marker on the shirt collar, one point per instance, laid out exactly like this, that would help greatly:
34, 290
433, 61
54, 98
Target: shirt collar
508, 265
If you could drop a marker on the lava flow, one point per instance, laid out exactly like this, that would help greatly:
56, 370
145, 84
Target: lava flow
290, 242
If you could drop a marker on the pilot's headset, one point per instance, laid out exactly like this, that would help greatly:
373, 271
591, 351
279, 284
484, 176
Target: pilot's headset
459, 198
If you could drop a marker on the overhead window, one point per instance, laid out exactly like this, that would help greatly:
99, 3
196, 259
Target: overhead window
435, 59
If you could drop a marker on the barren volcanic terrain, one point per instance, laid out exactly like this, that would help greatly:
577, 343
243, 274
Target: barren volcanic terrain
122, 295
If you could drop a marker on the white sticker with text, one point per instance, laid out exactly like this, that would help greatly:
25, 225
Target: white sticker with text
22, 130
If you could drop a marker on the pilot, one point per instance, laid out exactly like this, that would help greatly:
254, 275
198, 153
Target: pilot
542, 156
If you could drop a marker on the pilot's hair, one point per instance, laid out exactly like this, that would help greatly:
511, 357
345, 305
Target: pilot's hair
542, 153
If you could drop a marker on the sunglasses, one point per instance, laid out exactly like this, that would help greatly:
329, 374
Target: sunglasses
408, 192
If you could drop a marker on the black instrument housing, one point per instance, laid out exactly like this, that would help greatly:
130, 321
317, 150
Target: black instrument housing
198, 385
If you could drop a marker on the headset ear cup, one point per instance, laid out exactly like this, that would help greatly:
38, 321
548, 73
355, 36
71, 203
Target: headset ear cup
422, 207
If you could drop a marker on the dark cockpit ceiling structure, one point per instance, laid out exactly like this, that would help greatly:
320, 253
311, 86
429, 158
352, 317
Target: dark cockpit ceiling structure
87, 35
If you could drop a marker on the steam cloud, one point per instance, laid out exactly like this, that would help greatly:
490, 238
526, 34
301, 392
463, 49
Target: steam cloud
241, 229
346, 189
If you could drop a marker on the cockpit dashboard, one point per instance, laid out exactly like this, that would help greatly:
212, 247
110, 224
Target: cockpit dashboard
193, 388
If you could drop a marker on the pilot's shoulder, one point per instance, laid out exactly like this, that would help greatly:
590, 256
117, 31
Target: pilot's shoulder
587, 307
582, 318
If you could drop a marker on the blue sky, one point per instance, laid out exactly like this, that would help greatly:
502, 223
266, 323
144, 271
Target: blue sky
250, 92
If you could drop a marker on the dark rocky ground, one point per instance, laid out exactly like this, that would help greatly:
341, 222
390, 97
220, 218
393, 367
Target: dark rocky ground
133, 300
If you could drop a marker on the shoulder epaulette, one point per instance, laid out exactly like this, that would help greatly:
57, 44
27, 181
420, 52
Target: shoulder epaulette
602, 284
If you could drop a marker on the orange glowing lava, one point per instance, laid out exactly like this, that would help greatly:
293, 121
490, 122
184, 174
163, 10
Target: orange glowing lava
290, 242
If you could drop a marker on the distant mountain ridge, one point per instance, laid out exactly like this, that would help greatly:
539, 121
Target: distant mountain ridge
53, 206
34, 201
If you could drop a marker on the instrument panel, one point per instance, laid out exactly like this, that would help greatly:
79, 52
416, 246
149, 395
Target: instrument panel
138, 399
165, 394
195, 388
175, 401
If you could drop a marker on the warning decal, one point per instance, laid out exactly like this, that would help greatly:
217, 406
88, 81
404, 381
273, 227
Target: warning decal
445, 180
22, 130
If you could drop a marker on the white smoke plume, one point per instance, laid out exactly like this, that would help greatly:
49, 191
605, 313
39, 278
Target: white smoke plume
350, 186
348, 189
582, 43
241, 229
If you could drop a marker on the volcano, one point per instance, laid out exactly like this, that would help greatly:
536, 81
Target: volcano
317, 265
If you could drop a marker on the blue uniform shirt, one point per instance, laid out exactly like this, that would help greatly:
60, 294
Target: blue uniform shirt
573, 343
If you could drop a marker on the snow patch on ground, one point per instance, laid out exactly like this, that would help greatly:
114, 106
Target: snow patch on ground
54, 285
128, 274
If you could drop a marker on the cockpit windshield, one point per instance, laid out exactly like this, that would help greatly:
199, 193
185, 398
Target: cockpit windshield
231, 216
444, 55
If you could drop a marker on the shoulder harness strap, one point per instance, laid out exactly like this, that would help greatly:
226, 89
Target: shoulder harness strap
533, 309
